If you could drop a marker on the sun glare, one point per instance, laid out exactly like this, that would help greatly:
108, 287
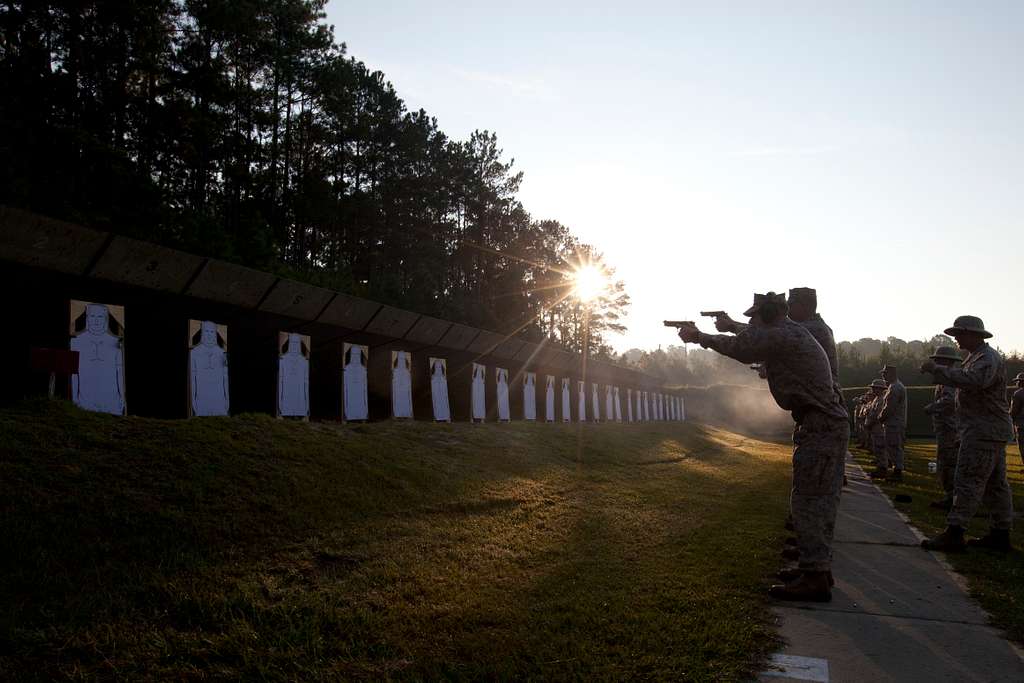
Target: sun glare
590, 283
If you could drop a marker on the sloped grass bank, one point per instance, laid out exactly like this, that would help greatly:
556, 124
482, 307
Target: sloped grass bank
256, 548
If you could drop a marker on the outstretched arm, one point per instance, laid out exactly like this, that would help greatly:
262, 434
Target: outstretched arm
979, 375
751, 345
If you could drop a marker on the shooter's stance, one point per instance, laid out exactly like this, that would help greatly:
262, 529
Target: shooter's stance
800, 379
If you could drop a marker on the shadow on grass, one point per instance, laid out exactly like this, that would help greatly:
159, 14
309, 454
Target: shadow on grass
260, 548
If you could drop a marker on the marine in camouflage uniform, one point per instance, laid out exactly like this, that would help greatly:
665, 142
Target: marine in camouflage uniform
942, 410
1017, 413
893, 417
876, 432
863, 408
800, 380
858, 419
803, 309
984, 424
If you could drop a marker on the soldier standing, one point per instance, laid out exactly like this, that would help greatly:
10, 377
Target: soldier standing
800, 380
984, 424
862, 405
893, 417
876, 432
943, 412
1017, 413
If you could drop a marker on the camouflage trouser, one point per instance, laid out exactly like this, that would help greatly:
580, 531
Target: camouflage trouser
981, 477
819, 454
946, 448
877, 434
894, 445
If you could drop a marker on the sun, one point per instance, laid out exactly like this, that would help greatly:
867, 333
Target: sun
589, 283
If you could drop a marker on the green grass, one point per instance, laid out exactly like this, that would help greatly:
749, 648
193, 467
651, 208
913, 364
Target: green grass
256, 548
995, 580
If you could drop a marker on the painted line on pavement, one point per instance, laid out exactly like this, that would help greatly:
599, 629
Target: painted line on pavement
797, 668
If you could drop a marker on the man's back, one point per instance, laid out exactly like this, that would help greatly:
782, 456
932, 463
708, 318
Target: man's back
822, 334
1017, 408
894, 405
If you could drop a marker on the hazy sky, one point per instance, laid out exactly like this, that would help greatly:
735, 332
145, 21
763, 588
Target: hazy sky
874, 151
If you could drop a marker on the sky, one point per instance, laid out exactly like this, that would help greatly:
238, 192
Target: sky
871, 150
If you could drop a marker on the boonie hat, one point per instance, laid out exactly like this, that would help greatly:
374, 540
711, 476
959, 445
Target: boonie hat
762, 299
968, 323
947, 352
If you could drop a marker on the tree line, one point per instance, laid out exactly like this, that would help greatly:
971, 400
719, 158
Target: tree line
859, 363
244, 131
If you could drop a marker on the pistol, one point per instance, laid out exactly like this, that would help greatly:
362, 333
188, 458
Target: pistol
714, 314
679, 323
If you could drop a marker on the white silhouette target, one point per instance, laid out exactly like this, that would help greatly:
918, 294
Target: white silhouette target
209, 392
293, 375
356, 391
439, 390
97, 332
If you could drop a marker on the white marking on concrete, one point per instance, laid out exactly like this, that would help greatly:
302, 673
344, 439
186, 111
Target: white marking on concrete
797, 668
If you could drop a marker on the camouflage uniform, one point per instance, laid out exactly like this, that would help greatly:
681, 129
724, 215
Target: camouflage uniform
1017, 416
893, 416
947, 442
858, 419
876, 431
862, 408
800, 380
822, 334
984, 424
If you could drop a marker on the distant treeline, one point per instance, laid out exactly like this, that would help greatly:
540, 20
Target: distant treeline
242, 130
693, 366
856, 370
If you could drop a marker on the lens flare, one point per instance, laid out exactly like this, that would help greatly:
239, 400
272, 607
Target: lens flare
590, 283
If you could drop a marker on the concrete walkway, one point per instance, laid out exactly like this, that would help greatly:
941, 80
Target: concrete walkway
897, 613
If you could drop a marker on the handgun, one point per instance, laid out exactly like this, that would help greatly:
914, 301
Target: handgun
679, 323
714, 314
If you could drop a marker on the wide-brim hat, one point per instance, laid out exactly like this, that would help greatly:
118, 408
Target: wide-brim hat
878, 384
762, 299
968, 323
947, 352
1019, 377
